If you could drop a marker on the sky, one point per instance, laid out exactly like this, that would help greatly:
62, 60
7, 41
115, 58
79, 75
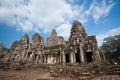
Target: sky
19, 17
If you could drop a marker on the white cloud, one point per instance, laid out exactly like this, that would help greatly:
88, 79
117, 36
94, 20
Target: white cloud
99, 11
111, 32
64, 30
44, 15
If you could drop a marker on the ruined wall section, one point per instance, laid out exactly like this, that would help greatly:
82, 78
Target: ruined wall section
20, 48
36, 48
53, 49
26, 51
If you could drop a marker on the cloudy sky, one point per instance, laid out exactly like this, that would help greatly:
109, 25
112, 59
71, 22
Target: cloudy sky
19, 17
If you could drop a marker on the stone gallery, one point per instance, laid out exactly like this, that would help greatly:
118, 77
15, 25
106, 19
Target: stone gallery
79, 49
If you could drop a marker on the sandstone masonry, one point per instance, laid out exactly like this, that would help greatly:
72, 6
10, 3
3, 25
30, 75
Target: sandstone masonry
79, 49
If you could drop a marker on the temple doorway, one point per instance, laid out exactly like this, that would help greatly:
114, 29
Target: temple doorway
35, 56
67, 58
29, 53
89, 57
77, 55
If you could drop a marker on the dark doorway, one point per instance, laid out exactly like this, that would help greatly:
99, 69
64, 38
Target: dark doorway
35, 56
77, 55
67, 58
29, 53
89, 57
58, 53
58, 58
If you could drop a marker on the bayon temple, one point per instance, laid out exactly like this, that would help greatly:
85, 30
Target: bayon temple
80, 48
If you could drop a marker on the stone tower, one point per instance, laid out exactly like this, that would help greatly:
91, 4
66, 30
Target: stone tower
83, 48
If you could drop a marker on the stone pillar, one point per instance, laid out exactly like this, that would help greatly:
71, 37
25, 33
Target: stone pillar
82, 57
74, 59
48, 59
60, 58
63, 57
71, 58
31, 57
45, 59
22, 57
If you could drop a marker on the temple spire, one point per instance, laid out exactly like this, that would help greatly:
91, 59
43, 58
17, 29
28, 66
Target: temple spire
77, 27
54, 33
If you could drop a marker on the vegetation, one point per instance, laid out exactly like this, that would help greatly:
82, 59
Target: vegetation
111, 48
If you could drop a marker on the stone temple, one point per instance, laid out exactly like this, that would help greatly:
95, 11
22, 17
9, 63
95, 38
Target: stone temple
80, 48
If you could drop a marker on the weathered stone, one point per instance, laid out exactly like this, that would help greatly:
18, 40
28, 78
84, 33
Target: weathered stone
37, 39
54, 40
24, 39
79, 49
77, 28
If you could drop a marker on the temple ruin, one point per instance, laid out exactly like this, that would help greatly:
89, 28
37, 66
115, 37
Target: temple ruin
80, 48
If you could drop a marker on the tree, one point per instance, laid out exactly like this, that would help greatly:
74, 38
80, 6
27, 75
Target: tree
111, 48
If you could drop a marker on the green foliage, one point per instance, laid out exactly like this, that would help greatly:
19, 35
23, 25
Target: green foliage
2, 45
111, 47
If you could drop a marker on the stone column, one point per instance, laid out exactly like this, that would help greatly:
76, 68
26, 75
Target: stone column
71, 58
22, 57
60, 58
45, 60
63, 57
48, 59
31, 57
74, 59
82, 57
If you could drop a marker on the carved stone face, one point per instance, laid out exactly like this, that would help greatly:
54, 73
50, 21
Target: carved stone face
37, 39
24, 39
77, 27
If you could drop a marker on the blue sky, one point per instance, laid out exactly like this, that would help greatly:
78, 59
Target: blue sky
19, 17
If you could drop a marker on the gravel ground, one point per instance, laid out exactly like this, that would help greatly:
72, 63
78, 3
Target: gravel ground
42, 75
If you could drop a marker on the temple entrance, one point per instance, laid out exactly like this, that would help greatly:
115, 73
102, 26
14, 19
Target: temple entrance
35, 55
58, 59
29, 53
67, 58
77, 55
89, 56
